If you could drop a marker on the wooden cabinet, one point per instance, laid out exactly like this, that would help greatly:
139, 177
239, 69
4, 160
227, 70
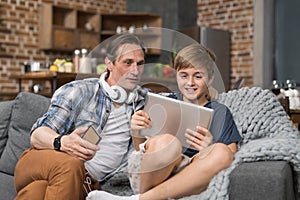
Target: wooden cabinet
150, 37
66, 29
56, 79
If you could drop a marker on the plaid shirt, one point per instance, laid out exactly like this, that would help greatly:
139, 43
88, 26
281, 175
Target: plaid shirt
81, 103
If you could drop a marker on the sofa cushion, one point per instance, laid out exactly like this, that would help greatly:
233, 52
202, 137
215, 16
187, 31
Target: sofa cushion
26, 109
7, 187
118, 184
5, 113
262, 180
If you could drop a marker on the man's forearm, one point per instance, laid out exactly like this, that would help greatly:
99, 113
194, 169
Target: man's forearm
42, 138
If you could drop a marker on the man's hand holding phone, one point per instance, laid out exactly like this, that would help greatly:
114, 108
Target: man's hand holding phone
75, 145
91, 135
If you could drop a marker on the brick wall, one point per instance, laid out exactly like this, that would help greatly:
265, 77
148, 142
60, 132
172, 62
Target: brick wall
237, 17
19, 34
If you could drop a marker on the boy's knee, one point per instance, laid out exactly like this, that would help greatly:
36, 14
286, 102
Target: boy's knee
165, 143
224, 154
161, 151
219, 154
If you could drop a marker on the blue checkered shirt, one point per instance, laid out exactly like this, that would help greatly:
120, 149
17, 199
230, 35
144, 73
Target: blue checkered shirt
81, 103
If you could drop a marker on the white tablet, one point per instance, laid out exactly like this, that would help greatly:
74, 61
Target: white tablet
174, 116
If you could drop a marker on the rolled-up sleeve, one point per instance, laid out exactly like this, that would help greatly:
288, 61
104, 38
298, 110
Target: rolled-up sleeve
62, 110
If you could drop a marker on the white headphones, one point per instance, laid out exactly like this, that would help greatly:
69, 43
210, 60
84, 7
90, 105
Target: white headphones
116, 93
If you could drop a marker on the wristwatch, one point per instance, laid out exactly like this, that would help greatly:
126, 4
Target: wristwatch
57, 143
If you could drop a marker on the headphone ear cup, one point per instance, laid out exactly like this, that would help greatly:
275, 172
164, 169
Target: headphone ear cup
120, 95
116, 93
132, 97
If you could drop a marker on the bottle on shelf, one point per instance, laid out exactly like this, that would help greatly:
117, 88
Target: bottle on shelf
76, 60
85, 64
69, 67
277, 86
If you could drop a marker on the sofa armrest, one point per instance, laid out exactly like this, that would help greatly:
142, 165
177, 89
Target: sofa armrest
5, 114
27, 108
262, 180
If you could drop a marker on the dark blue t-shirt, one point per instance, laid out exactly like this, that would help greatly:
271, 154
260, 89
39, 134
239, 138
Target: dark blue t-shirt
223, 127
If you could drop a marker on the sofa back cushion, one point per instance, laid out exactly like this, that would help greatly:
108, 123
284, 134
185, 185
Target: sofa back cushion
27, 108
5, 113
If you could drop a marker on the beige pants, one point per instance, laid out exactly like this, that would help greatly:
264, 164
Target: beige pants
49, 174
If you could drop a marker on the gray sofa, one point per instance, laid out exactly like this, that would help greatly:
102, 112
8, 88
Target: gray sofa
256, 179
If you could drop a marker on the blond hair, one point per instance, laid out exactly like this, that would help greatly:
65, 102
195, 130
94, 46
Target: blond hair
195, 56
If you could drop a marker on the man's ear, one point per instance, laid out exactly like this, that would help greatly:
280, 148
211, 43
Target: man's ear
108, 63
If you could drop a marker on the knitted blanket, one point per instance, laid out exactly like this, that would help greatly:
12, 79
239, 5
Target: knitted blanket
267, 133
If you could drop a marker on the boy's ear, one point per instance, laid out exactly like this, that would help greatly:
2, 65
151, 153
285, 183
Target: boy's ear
211, 80
108, 63
214, 94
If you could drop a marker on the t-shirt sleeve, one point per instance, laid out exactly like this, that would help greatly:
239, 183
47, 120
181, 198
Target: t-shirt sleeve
230, 133
223, 126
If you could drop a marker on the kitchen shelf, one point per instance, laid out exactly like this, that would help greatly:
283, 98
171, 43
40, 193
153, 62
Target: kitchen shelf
66, 29
63, 17
150, 37
56, 79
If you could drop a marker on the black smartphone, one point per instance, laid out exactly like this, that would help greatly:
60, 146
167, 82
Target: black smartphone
92, 136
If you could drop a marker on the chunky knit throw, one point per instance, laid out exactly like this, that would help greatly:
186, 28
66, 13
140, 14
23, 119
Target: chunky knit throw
268, 134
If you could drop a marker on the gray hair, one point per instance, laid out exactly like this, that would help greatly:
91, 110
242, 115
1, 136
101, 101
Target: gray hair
114, 50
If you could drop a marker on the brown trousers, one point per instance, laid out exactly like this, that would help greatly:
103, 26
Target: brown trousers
49, 174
